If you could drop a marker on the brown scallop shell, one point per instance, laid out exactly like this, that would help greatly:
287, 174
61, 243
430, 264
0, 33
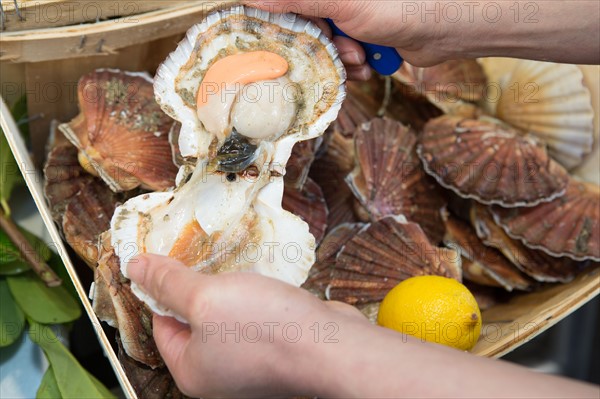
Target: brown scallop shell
490, 162
128, 314
63, 178
388, 178
328, 172
81, 204
309, 204
320, 274
148, 383
535, 263
383, 254
122, 132
302, 158
485, 265
568, 226
449, 81
359, 107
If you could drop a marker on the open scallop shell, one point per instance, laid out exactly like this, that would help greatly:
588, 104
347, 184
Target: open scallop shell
533, 262
568, 226
381, 255
309, 204
219, 220
121, 132
388, 178
545, 99
490, 162
485, 265
314, 68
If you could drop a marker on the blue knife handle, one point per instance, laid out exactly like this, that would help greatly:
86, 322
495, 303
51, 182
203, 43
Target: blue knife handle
385, 60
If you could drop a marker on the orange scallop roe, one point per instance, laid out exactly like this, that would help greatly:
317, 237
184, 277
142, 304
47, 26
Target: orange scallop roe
240, 68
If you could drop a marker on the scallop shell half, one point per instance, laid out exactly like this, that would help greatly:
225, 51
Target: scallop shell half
545, 99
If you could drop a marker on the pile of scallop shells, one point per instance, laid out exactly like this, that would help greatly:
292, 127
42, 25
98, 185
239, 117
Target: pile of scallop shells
422, 173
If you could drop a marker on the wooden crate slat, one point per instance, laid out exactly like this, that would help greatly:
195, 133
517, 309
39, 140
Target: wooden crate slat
102, 38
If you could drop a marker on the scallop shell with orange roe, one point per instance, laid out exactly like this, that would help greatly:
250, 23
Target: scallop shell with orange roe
544, 99
121, 132
490, 162
236, 137
389, 179
381, 255
568, 226
309, 84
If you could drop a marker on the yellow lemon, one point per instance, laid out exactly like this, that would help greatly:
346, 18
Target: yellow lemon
435, 309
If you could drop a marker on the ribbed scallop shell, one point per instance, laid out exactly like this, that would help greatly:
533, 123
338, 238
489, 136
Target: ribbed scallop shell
81, 204
329, 172
547, 100
122, 132
568, 226
381, 255
320, 274
448, 81
389, 180
358, 108
484, 263
302, 158
115, 303
63, 178
309, 204
148, 383
489, 162
535, 263
313, 61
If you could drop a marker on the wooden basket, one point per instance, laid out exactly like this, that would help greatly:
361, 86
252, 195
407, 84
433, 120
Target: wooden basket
53, 57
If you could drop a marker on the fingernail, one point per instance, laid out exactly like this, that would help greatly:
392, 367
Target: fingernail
351, 58
136, 268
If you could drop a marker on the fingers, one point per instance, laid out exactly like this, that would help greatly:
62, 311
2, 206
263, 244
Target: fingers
170, 283
172, 338
362, 72
313, 8
351, 53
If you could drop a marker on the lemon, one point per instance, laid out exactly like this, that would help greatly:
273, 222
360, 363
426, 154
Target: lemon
435, 309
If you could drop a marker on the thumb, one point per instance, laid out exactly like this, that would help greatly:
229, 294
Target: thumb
170, 283
320, 9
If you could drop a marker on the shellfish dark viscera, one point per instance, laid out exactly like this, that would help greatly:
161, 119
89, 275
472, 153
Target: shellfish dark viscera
568, 226
389, 179
383, 254
121, 132
490, 162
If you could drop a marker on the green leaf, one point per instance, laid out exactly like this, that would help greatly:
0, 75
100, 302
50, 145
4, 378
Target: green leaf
48, 388
10, 253
12, 268
101, 388
72, 380
12, 319
43, 304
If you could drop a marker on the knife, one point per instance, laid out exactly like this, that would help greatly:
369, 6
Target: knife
385, 60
